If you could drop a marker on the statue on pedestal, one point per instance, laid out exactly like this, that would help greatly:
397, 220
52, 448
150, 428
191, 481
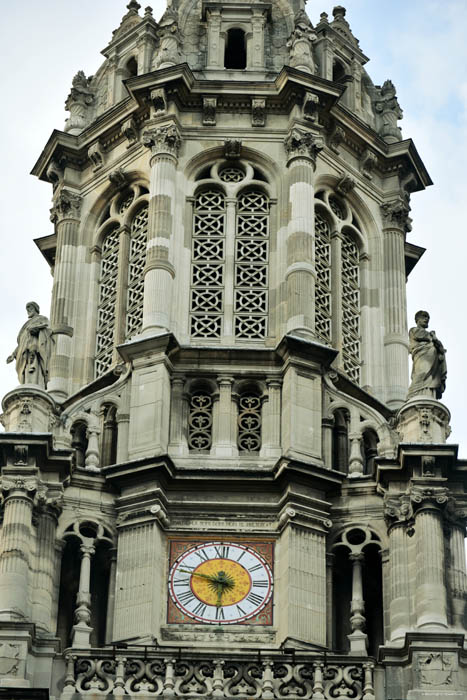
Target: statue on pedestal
429, 360
32, 353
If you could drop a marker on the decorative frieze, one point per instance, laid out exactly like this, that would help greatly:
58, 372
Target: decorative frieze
163, 141
303, 144
209, 111
258, 111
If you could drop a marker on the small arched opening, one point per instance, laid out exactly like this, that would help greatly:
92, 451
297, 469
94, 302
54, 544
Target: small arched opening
340, 441
131, 67
109, 435
235, 49
79, 443
369, 450
338, 71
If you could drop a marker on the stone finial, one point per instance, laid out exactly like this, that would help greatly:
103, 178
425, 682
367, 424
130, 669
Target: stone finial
133, 6
429, 369
32, 353
388, 111
300, 43
78, 102
339, 12
324, 17
148, 11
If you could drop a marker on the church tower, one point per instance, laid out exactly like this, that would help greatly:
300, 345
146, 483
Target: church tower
216, 480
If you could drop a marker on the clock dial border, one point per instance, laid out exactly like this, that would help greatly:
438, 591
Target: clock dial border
263, 552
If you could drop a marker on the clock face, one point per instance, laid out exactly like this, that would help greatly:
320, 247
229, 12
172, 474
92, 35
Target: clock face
220, 583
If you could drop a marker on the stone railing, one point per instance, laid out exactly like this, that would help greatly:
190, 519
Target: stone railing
185, 674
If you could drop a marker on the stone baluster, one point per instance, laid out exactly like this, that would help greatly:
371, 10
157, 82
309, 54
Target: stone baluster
458, 578
398, 515
318, 686
69, 681
368, 685
302, 151
65, 214
44, 580
355, 459
15, 548
430, 595
169, 680
395, 218
159, 272
225, 438
358, 639
218, 680
272, 420
92, 459
82, 629
119, 687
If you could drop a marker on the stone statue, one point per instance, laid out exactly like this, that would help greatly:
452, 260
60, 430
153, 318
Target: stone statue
429, 360
388, 111
32, 353
78, 103
300, 44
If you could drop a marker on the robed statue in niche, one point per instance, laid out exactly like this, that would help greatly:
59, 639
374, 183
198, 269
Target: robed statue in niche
428, 358
32, 353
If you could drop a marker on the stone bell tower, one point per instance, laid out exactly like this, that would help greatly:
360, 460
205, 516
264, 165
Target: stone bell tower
216, 480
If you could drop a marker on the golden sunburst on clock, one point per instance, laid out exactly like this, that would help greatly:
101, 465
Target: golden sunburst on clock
221, 583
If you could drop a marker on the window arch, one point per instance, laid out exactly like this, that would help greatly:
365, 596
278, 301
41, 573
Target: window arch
121, 282
337, 260
230, 255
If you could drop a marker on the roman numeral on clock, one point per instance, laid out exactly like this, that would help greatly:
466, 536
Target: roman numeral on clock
182, 582
260, 584
220, 614
200, 609
222, 552
186, 597
201, 554
254, 598
255, 568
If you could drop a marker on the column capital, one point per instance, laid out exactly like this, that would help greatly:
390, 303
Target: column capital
434, 498
303, 144
87, 549
19, 486
356, 556
163, 141
395, 215
67, 205
398, 511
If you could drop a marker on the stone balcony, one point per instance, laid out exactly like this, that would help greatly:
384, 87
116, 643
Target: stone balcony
180, 673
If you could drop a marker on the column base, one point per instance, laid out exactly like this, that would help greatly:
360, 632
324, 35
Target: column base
358, 643
81, 636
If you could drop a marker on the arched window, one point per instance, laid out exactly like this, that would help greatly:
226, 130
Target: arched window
109, 435
79, 443
337, 258
340, 441
230, 254
120, 306
235, 49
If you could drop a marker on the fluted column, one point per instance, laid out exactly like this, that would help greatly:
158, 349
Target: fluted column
15, 548
302, 150
82, 630
111, 598
272, 420
358, 639
225, 439
159, 272
458, 577
398, 514
395, 224
44, 579
65, 214
430, 597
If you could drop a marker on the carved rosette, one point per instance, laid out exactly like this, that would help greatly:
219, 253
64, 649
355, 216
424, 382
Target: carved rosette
395, 215
303, 144
67, 205
164, 141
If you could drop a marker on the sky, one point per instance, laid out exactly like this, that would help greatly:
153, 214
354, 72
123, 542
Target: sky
419, 44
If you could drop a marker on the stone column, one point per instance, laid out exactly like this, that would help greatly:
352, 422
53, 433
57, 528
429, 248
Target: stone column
92, 457
178, 418
430, 596
358, 639
329, 600
271, 446
44, 579
122, 286
65, 214
302, 149
355, 459
398, 513
458, 578
395, 224
111, 598
224, 441
82, 630
123, 423
229, 268
159, 272
336, 295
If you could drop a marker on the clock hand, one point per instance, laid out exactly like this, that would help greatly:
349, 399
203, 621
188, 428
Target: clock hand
194, 573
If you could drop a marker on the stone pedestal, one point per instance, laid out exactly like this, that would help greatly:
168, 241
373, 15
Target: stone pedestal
27, 409
423, 420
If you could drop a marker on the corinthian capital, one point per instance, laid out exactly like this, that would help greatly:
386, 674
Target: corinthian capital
67, 205
398, 510
300, 143
395, 214
163, 141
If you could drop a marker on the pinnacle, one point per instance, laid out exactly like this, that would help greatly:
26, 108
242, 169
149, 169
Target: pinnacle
133, 5
339, 12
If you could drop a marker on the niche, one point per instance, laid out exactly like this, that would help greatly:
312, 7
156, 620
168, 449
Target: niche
340, 441
235, 50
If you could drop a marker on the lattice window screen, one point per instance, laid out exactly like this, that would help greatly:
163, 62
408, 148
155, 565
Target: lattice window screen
323, 278
249, 422
107, 302
351, 308
208, 265
136, 263
251, 266
200, 421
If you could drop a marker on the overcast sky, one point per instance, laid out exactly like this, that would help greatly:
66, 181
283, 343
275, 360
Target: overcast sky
419, 44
